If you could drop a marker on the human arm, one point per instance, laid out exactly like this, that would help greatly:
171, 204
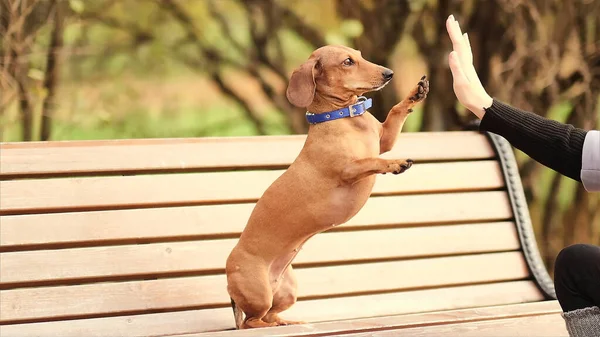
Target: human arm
570, 151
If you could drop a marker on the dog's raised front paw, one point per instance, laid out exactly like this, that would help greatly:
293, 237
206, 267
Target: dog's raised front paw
420, 92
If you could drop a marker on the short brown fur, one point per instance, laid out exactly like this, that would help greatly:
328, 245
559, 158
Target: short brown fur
327, 184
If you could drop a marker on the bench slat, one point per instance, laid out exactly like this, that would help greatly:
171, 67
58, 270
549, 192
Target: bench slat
422, 320
432, 272
191, 256
534, 326
416, 301
38, 195
199, 221
192, 321
110, 299
73, 157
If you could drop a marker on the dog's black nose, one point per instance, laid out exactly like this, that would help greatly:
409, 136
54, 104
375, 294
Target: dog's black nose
388, 74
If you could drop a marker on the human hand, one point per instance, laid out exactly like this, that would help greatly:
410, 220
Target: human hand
467, 86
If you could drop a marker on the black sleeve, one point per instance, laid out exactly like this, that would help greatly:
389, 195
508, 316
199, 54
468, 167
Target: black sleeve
556, 145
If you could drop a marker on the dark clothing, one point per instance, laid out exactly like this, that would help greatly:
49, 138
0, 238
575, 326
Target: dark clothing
556, 145
577, 277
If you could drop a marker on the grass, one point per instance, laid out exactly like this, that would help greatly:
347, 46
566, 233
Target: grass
218, 121
133, 107
222, 120
179, 107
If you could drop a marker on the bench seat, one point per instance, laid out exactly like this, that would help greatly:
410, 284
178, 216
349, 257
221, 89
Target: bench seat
130, 237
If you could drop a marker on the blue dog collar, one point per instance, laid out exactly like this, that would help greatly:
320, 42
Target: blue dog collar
354, 110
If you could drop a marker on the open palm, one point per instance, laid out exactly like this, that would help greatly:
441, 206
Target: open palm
467, 86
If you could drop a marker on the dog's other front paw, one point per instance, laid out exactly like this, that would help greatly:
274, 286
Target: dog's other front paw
420, 92
400, 166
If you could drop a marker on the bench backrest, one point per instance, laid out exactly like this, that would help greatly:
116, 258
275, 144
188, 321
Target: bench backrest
130, 237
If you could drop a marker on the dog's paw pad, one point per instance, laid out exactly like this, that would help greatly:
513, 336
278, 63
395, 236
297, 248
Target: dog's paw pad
404, 166
421, 91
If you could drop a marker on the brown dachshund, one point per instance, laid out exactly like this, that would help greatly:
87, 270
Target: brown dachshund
327, 184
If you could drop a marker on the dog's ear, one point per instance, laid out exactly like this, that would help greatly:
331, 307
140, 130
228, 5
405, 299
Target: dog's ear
301, 90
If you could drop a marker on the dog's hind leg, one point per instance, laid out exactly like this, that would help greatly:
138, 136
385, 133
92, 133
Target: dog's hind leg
250, 289
283, 298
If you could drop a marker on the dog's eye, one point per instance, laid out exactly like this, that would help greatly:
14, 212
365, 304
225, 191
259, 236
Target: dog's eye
348, 62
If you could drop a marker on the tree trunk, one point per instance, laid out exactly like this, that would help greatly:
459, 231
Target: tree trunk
52, 71
4, 55
439, 111
383, 27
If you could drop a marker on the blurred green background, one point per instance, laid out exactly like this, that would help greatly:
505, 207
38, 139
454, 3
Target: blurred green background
105, 69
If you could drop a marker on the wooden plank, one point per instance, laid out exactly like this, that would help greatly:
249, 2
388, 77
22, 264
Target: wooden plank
534, 326
423, 320
190, 323
120, 156
39, 195
188, 257
415, 301
159, 324
210, 291
199, 221
396, 275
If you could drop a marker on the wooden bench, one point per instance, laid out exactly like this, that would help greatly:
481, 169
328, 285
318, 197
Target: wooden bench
129, 238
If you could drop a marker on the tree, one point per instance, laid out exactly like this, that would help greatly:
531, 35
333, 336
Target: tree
20, 24
550, 53
540, 55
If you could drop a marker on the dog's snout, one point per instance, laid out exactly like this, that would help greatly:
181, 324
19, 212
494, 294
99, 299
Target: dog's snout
387, 74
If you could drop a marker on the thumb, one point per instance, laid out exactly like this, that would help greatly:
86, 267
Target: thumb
457, 71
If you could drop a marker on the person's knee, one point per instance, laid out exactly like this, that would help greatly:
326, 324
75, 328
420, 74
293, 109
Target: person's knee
573, 257
574, 268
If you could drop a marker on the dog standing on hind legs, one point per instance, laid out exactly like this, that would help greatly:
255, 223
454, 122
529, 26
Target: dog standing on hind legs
327, 184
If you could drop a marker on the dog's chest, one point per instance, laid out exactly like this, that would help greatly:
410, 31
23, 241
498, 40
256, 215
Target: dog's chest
370, 139
346, 200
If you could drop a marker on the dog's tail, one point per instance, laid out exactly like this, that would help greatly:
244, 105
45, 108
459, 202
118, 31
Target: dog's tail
238, 315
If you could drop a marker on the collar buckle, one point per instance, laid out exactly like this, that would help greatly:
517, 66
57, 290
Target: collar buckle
361, 101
